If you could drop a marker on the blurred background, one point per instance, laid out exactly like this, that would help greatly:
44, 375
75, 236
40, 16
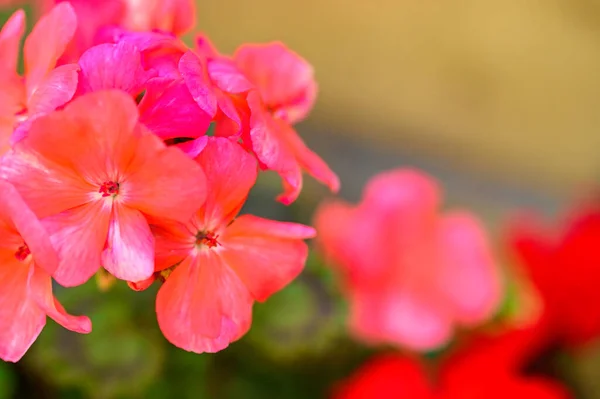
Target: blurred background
498, 99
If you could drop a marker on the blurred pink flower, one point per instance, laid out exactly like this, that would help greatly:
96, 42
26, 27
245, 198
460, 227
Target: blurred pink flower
411, 273
27, 259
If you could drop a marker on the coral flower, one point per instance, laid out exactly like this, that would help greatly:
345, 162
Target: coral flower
563, 266
286, 91
94, 173
393, 376
27, 259
44, 88
217, 265
411, 274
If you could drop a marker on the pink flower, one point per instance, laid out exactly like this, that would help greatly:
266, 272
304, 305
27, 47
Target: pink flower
410, 273
27, 259
44, 88
94, 174
286, 93
217, 265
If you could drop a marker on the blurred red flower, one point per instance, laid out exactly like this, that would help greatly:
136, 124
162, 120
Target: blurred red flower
564, 268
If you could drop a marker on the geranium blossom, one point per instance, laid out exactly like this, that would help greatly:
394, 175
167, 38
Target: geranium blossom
94, 173
27, 259
411, 273
216, 265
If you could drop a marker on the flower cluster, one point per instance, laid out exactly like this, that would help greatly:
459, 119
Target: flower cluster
106, 163
411, 274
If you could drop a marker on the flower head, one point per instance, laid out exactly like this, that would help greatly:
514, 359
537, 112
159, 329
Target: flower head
410, 273
95, 174
217, 265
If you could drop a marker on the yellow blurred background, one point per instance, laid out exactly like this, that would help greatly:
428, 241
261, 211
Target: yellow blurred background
507, 88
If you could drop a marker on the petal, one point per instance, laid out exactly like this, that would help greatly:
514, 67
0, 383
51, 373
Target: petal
203, 306
40, 287
307, 159
129, 253
13, 208
173, 243
21, 320
265, 254
113, 66
46, 43
10, 42
79, 236
163, 182
54, 90
205, 47
469, 276
169, 111
193, 148
272, 151
230, 173
400, 316
227, 77
280, 74
194, 71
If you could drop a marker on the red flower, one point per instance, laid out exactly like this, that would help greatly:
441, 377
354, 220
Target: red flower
564, 267
486, 368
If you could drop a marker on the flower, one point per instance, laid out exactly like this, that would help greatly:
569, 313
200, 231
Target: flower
286, 91
216, 265
562, 265
44, 87
27, 259
475, 371
410, 273
94, 174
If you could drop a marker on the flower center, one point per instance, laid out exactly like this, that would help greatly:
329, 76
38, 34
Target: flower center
207, 238
109, 188
22, 253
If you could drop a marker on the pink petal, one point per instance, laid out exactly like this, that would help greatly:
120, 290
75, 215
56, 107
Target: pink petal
79, 236
203, 306
265, 254
173, 243
14, 209
163, 182
307, 159
129, 253
230, 173
54, 90
10, 42
281, 75
113, 66
205, 47
272, 151
401, 316
193, 148
227, 77
40, 287
469, 275
169, 111
21, 320
46, 43
195, 74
